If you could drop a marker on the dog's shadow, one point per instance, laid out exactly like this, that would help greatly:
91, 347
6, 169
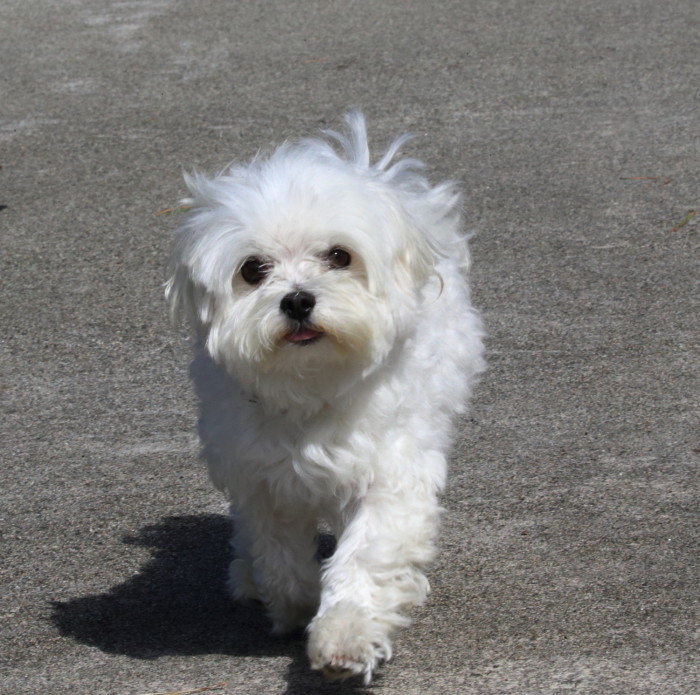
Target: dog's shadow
177, 605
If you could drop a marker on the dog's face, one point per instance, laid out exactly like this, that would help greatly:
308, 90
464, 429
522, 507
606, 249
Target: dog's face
296, 270
304, 293
302, 266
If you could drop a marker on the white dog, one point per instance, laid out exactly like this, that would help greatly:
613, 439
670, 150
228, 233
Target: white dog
335, 344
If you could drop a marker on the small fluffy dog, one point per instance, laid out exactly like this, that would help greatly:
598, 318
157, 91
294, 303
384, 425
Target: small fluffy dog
335, 344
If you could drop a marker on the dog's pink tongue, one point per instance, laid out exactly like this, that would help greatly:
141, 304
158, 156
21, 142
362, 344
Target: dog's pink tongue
303, 334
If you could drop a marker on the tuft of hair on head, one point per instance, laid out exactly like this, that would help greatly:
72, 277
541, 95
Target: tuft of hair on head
354, 144
405, 173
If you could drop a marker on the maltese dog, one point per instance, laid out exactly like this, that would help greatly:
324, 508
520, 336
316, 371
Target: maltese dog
335, 344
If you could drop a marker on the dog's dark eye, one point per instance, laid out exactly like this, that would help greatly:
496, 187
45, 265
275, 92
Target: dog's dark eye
338, 258
254, 270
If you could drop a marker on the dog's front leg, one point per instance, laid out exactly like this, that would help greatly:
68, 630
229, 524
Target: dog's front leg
276, 562
375, 574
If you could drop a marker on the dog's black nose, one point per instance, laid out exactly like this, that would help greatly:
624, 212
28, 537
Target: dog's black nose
297, 305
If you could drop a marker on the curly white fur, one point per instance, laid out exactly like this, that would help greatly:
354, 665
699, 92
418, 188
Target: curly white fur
352, 425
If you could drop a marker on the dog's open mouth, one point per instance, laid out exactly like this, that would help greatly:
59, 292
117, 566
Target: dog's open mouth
303, 336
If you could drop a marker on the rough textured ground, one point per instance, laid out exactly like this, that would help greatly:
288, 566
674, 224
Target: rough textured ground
569, 559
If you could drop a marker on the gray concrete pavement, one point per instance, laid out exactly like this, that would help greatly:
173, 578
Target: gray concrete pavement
569, 559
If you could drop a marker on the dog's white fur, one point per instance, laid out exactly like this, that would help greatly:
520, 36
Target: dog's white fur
353, 427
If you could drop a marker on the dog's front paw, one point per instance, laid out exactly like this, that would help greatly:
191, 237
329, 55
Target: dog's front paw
345, 641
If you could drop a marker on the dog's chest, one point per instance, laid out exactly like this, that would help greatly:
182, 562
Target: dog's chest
320, 457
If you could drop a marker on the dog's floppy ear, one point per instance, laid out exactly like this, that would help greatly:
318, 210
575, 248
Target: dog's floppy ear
188, 301
414, 260
431, 216
430, 221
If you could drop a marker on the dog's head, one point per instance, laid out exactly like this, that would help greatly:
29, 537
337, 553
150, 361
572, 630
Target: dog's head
310, 264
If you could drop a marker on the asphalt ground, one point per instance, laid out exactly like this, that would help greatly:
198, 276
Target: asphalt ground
569, 546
